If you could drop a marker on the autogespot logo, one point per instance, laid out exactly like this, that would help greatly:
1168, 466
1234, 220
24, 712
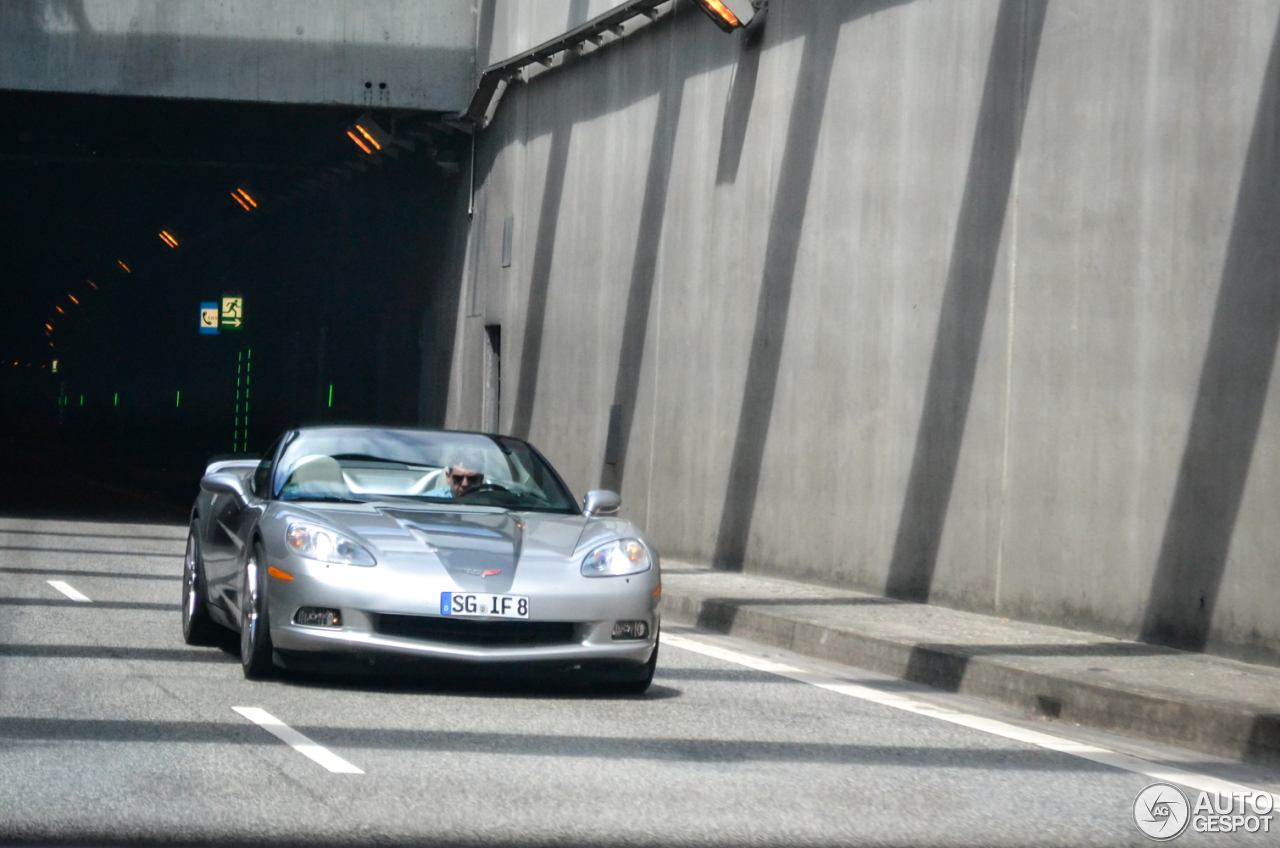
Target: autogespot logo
1161, 811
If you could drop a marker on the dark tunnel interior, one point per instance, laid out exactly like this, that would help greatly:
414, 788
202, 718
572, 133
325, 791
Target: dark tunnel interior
336, 263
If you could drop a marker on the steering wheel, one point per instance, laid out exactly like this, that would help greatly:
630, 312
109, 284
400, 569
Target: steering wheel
485, 487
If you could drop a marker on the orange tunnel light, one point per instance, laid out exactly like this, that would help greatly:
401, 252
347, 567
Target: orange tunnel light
721, 11
241, 202
364, 132
361, 144
168, 238
120, 262
92, 283
73, 299
246, 196
728, 15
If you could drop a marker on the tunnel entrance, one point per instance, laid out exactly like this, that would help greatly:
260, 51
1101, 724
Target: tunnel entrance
130, 217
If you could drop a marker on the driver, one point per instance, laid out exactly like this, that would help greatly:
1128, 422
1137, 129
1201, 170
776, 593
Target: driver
462, 477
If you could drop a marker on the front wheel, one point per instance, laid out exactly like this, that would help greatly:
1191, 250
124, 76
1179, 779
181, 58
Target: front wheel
635, 685
255, 628
197, 626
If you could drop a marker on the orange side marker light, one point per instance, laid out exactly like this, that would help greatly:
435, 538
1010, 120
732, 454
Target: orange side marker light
278, 574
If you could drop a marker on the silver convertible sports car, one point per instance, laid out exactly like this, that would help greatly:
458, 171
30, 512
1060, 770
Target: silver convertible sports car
381, 544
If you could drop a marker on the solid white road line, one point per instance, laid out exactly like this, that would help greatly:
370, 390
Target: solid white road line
69, 592
297, 741
1104, 756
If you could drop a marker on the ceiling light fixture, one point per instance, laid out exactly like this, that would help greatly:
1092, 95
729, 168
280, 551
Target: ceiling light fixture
120, 262
168, 239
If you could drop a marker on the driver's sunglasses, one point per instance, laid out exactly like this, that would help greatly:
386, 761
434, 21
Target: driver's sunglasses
466, 479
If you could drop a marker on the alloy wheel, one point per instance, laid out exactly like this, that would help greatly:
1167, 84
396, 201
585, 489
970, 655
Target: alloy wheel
249, 610
190, 593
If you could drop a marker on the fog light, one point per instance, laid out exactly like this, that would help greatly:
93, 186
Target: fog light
318, 617
630, 629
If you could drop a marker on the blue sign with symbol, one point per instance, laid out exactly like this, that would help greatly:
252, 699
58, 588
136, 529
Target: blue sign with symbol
209, 319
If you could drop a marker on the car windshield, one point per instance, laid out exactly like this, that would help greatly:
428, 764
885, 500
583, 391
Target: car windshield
422, 466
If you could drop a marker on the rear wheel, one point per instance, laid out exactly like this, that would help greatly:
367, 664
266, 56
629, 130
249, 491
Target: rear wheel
255, 628
197, 626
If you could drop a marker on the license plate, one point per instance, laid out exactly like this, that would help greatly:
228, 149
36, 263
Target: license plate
484, 606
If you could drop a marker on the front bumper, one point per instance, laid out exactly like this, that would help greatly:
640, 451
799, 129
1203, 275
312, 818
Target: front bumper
362, 595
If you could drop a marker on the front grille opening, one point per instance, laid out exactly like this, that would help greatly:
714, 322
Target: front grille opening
486, 634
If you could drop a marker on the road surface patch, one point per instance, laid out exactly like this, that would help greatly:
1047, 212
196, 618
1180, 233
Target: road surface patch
1092, 753
71, 593
295, 740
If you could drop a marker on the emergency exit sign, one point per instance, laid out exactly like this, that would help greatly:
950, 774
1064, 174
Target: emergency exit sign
232, 317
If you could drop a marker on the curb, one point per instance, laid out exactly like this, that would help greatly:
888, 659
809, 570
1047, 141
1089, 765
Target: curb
1221, 728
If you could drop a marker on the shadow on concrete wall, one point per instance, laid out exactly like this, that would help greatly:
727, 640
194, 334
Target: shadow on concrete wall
785, 228
640, 292
540, 281
1231, 396
737, 109
964, 301
559, 120
484, 35
544, 247
578, 13
1264, 740
439, 328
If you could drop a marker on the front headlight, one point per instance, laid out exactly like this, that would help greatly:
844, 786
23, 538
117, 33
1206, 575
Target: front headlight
321, 543
627, 556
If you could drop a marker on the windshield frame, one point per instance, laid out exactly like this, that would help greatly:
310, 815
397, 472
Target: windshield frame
503, 443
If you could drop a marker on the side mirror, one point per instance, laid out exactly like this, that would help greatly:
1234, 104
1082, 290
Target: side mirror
226, 483
600, 502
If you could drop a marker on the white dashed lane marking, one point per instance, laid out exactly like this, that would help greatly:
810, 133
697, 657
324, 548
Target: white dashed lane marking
1115, 759
69, 592
295, 740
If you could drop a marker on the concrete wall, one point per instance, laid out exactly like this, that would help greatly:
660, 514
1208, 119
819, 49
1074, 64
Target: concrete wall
413, 55
968, 301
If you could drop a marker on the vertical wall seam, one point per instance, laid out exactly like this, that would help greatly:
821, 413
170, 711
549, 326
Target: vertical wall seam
657, 305
1008, 386
1009, 327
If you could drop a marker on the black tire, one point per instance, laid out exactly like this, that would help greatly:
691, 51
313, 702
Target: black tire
634, 685
197, 627
255, 627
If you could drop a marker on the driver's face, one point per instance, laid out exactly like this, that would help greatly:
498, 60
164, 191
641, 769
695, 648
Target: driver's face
462, 479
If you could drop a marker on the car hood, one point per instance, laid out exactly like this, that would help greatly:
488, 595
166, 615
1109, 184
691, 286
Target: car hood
471, 545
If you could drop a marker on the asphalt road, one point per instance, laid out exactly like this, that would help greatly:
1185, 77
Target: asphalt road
112, 731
